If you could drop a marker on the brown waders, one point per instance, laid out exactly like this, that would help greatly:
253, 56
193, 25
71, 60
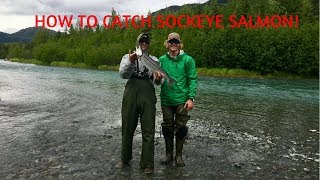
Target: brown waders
139, 101
174, 123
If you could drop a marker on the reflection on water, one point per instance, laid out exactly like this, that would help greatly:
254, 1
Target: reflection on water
275, 112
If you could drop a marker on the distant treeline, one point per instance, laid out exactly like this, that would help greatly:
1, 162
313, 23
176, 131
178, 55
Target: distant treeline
264, 50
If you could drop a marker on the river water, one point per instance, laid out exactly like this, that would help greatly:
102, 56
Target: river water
41, 105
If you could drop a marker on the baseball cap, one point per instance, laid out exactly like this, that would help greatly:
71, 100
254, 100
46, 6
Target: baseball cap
143, 35
174, 35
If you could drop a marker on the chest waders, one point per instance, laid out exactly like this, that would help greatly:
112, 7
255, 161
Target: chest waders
139, 102
174, 123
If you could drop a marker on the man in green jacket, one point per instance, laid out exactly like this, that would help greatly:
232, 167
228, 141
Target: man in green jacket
176, 100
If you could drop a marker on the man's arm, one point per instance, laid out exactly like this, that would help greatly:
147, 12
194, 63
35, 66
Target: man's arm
192, 82
157, 76
126, 67
192, 78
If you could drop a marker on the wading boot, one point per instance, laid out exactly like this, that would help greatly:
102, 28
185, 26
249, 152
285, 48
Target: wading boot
169, 151
179, 147
148, 171
122, 164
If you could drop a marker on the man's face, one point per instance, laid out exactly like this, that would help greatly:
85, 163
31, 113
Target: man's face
144, 43
174, 44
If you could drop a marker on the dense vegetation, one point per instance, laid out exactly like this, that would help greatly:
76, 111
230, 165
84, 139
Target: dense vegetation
292, 51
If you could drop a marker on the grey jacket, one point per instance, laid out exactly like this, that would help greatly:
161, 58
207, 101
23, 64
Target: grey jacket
127, 67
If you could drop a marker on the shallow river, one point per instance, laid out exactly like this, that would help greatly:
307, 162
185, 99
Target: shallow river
39, 104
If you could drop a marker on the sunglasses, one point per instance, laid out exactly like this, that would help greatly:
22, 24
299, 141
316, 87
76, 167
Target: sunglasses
174, 41
146, 41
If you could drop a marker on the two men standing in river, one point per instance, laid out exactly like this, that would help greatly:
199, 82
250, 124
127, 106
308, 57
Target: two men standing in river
139, 101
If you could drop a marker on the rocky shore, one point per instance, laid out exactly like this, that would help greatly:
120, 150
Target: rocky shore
74, 154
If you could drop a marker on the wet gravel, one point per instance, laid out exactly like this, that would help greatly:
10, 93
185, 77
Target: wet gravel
61, 152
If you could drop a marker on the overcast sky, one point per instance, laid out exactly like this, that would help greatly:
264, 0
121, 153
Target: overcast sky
19, 14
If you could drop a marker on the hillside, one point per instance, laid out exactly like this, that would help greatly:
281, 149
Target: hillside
23, 35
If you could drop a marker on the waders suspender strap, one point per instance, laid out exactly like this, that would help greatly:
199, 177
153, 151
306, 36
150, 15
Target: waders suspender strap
138, 66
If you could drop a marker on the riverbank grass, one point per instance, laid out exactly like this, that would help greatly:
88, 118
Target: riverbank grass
226, 72
221, 72
27, 61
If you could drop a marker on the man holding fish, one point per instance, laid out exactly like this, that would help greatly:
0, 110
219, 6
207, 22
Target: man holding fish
177, 94
139, 102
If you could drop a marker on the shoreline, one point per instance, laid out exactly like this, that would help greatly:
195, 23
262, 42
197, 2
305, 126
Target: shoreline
202, 71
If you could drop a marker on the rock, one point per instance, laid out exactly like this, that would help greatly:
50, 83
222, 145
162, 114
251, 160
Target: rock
107, 136
306, 169
238, 165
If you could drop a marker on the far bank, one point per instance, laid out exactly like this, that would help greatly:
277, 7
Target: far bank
202, 71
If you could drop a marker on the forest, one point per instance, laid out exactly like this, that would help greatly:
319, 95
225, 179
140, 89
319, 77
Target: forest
264, 50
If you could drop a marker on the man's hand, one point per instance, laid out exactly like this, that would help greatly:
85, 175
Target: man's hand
189, 104
133, 56
158, 75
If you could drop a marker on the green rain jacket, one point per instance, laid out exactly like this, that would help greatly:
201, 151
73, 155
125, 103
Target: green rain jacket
183, 70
